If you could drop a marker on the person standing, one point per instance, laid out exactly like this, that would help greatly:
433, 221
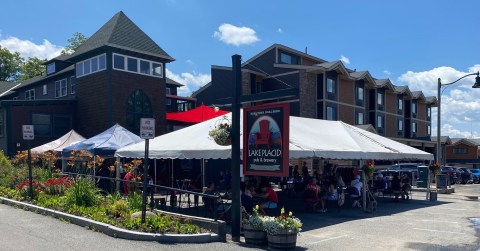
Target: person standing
128, 183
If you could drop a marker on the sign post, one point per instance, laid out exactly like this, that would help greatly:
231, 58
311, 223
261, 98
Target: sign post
29, 135
147, 132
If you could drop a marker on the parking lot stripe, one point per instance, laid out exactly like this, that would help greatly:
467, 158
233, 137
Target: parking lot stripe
438, 231
328, 239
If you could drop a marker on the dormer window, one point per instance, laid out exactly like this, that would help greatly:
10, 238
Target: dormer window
137, 65
91, 65
50, 68
286, 58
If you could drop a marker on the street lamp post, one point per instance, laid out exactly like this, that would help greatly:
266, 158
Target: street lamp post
439, 97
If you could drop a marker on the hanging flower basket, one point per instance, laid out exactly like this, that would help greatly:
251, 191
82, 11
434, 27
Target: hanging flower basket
434, 168
221, 134
369, 168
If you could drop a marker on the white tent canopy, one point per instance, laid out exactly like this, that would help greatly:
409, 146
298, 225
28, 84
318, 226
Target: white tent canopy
71, 138
308, 138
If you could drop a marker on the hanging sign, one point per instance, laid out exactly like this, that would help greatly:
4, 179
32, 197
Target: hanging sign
266, 140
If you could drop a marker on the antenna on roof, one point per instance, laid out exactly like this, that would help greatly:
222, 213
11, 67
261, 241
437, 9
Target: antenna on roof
306, 50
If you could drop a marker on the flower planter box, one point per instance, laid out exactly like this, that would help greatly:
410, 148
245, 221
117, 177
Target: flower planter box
254, 236
284, 239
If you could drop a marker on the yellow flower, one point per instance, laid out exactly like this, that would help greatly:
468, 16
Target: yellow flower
282, 211
257, 207
290, 214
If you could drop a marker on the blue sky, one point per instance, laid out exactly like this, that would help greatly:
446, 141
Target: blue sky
410, 42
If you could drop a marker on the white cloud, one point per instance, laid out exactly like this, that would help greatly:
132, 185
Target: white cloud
189, 61
460, 104
234, 35
387, 72
191, 81
345, 59
280, 30
27, 48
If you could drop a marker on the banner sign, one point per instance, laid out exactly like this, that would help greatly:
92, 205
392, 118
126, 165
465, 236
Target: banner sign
266, 140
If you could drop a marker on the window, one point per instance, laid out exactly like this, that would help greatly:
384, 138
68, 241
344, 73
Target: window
380, 98
51, 68
429, 111
360, 93
132, 64
118, 62
289, 59
144, 67
359, 118
91, 65
400, 104
136, 65
414, 107
157, 70
400, 125
2, 124
460, 150
30, 94
138, 106
379, 121
414, 127
168, 101
73, 85
330, 85
94, 62
61, 88
331, 113
86, 67
42, 125
429, 130
168, 91
45, 90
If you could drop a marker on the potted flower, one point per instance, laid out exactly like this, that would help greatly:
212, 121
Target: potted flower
254, 228
369, 168
434, 169
282, 231
221, 133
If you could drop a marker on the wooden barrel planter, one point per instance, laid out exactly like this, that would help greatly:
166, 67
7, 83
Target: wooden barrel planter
285, 239
255, 237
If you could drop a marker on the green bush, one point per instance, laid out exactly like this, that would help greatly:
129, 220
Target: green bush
10, 193
118, 209
162, 224
134, 201
82, 193
51, 201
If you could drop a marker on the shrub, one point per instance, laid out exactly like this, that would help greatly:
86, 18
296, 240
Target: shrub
134, 201
51, 201
118, 209
162, 224
10, 193
82, 193
24, 188
57, 186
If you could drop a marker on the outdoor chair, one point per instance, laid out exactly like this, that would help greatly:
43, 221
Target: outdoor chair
264, 136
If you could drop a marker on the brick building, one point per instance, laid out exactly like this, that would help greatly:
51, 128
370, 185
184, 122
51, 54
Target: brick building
463, 152
116, 76
328, 90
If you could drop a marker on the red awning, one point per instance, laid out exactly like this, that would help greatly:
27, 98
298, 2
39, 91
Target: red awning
196, 115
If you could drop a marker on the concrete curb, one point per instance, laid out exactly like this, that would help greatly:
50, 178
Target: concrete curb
117, 232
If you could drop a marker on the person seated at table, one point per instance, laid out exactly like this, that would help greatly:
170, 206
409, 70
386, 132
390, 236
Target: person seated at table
354, 190
405, 185
312, 195
209, 202
396, 187
331, 195
379, 185
340, 182
247, 199
270, 197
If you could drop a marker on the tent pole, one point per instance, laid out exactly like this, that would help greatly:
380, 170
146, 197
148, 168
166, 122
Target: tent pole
171, 168
94, 168
365, 186
117, 175
155, 171
203, 174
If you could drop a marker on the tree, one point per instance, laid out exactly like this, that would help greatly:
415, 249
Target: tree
10, 65
32, 67
73, 43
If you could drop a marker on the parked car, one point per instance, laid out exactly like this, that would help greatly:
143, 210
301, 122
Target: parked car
452, 174
404, 167
464, 177
470, 178
476, 175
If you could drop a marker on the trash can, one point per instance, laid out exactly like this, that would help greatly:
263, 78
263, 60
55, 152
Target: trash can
433, 196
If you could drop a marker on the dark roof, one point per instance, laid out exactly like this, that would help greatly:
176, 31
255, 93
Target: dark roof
121, 32
37, 79
473, 142
5, 87
443, 139
59, 58
173, 82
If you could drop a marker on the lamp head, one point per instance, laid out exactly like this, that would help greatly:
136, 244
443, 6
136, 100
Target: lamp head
477, 81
